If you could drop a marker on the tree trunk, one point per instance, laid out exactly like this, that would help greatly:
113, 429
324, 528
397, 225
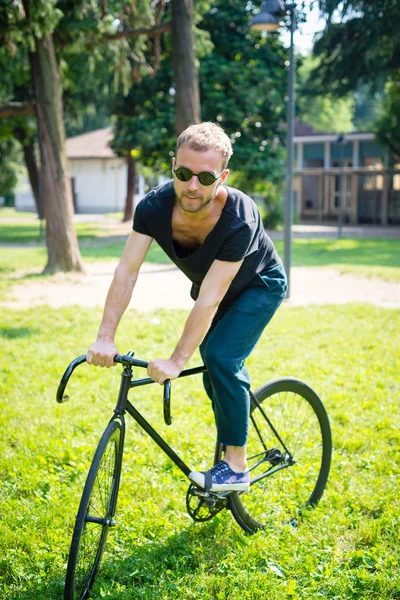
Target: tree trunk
30, 163
130, 189
187, 96
61, 240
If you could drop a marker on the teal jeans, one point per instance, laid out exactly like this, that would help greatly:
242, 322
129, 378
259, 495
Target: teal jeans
228, 343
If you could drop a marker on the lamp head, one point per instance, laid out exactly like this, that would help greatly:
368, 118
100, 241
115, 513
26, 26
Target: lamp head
268, 17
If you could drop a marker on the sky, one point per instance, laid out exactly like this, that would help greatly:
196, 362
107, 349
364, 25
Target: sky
304, 34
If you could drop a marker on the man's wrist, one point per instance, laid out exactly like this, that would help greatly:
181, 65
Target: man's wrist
105, 336
180, 361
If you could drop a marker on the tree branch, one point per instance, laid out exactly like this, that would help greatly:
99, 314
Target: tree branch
16, 109
136, 58
125, 33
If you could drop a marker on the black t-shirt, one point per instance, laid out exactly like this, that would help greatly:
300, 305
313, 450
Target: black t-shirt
238, 234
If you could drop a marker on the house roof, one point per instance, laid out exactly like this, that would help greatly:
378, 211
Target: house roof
304, 129
94, 144
306, 133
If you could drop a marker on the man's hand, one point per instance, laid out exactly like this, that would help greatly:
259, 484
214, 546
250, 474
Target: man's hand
161, 370
101, 353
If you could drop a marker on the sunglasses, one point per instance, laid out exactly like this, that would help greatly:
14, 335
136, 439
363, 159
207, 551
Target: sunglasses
205, 177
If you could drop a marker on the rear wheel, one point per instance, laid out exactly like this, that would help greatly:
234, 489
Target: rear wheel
289, 454
95, 515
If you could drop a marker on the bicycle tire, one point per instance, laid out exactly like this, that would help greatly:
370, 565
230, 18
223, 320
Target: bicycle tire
98, 501
301, 459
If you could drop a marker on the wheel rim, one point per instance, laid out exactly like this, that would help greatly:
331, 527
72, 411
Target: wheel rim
94, 535
281, 497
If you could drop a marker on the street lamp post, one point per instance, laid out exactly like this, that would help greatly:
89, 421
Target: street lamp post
341, 140
269, 19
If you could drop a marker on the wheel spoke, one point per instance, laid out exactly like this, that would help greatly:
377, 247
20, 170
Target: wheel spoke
292, 410
89, 538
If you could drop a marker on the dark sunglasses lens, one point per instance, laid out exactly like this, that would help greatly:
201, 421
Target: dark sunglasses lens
206, 178
183, 174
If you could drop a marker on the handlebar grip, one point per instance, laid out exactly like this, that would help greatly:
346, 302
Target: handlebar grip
167, 402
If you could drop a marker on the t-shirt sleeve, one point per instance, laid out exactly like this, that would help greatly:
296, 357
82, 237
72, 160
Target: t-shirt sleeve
238, 244
140, 217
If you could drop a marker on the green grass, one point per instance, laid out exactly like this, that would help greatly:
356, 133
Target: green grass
347, 548
28, 232
10, 213
366, 257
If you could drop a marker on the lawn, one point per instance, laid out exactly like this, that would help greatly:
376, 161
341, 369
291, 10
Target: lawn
347, 548
101, 241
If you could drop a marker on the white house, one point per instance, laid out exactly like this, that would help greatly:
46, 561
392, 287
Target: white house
98, 176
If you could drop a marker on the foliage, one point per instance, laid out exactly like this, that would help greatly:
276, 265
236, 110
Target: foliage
14, 85
243, 84
9, 159
387, 124
360, 44
145, 117
92, 69
95, 69
366, 107
322, 111
346, 548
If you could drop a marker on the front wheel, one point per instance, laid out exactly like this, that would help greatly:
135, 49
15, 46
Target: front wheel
289, 454
95, 515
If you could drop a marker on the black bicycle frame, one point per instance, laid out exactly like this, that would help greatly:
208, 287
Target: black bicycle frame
124, 405
135, 414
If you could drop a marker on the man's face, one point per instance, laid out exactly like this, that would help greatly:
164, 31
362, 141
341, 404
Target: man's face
192, 196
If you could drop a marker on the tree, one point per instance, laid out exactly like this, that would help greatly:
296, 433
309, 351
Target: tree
31, 25
8, 167
163, 99
18, 121
359, 51
243, 84
183, 60
360, 44
387, 125
322, 112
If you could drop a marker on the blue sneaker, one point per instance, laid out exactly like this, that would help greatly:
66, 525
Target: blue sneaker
221, 478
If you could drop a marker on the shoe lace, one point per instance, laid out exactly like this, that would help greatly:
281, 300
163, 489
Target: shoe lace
219, 468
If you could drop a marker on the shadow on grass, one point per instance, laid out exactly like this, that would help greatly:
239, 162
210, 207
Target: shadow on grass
156, 570
19, 234
47, 591
14, 333
152, 570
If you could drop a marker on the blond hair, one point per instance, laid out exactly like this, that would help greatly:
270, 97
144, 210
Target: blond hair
206, 136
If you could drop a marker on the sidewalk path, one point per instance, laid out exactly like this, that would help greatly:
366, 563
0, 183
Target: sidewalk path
164, 286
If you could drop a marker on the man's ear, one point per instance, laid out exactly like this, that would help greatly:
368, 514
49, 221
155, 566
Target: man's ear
225, 175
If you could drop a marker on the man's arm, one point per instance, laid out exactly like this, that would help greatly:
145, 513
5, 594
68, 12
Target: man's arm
102, 352
212, 290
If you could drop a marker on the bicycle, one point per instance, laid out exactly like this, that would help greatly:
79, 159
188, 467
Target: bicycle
289, 455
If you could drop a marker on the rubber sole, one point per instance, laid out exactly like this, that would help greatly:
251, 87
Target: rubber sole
198, 479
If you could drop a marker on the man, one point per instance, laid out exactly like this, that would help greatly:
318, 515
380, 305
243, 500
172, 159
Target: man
214, 234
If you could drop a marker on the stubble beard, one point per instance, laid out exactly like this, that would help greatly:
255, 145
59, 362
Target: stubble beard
186, 205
